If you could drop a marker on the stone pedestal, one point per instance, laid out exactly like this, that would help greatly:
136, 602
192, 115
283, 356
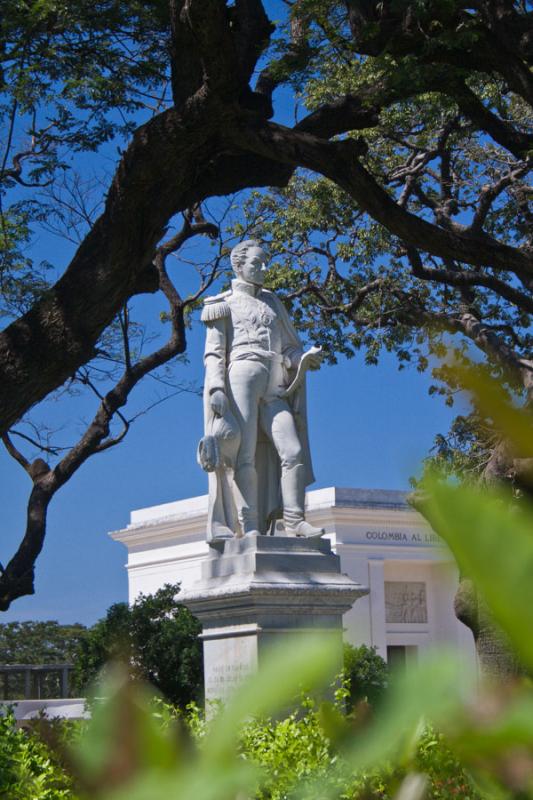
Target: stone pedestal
255, 590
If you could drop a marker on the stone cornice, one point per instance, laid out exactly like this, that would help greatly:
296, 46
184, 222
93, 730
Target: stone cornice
178, 529
329, 508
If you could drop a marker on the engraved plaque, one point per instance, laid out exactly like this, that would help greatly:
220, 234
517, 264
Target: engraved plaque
227, 662
405, 601
222, 679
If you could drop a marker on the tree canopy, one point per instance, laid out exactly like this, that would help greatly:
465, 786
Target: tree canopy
400, 206
45, 642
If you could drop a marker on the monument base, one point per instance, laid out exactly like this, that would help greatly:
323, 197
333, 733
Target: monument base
259, 589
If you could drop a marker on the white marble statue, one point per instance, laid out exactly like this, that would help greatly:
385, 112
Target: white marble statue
255, 447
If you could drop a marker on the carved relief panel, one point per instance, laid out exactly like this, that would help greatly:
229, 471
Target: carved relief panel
405, 601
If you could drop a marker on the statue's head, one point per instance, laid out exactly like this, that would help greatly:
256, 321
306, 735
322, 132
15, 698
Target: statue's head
249, 262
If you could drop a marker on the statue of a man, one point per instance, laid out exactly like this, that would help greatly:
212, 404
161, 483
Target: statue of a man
255, 447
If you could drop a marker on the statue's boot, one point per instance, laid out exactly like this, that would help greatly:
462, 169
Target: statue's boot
245, 480
293, 494
221, 533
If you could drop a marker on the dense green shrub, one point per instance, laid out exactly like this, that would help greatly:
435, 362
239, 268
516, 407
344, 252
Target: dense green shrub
28, 769
291, 751
156, 637
296, 749
447, 777
366, 673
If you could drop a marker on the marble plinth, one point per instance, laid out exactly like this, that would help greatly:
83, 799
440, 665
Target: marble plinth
255, 590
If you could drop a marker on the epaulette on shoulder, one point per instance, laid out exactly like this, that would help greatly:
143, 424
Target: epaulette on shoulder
215, 307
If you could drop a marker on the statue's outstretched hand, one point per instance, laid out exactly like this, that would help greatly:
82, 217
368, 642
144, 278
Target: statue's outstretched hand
219, 402
312, 359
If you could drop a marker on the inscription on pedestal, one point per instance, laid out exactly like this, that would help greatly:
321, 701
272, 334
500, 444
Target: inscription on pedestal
223, 678
228, 662
405, 601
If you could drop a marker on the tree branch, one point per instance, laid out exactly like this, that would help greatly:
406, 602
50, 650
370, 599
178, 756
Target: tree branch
466, 279
18, 577
15, 453
339, 162
515, 141
489, 194
251, 30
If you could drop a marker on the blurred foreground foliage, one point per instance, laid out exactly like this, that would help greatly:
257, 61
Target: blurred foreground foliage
265, 745
438, 732
141, 746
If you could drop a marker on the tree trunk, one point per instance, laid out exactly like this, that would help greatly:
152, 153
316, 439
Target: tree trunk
496, 659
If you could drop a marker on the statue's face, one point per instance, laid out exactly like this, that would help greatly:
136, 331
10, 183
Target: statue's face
254, 268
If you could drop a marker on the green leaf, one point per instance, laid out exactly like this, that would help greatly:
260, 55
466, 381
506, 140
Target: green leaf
492, 400
431, 690
124, 736
298, 662
493, 545
490, 735
157, 765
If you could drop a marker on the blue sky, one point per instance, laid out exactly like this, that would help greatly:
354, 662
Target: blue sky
370, 427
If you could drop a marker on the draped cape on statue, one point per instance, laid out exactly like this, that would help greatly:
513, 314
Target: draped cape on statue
222, 513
